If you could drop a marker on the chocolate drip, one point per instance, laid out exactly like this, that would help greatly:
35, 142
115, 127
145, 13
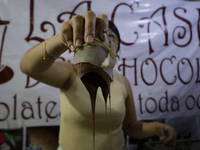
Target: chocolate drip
92, 81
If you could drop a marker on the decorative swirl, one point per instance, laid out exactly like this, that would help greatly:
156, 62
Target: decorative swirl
36, 38
64, 13
182, 35
47, 23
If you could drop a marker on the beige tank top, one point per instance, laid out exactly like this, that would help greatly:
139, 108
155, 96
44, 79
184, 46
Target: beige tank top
76, 129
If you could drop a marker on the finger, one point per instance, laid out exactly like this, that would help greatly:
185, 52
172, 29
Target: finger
102, 26
171, 138
161, 134
90, 23
169, 143
78, 30
66, 35
171, 135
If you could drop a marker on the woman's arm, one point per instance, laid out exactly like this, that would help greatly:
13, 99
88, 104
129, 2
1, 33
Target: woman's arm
74, 32
140, 130
44, 68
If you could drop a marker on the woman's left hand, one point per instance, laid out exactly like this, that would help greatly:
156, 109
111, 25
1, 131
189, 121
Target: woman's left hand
166, 134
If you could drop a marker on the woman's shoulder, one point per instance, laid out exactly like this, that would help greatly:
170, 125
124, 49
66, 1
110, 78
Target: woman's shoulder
118, 76
121, 78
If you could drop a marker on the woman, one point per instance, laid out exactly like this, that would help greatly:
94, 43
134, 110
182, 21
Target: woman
76, 129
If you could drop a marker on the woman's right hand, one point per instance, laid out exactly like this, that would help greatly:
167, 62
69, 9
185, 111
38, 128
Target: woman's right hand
82, 28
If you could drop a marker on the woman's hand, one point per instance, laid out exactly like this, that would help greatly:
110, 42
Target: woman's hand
82, 28
166, 134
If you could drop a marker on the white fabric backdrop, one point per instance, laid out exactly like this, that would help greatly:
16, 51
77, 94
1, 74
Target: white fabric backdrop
159, 55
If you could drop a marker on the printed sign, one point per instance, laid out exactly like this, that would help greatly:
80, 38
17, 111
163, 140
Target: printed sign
159, 55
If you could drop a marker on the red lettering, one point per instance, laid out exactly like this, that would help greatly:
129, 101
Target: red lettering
197, 80
73, 11
7, 109
181, 36
190, 102
198, 26
180, 71
162, 68
163, 102
28, 83
153, 101
124, 65
175, 104
48, 113
27, 106
162, 105
39, 107
164, 27
155, 70
131, 8
36, 38
140, 99
15, 107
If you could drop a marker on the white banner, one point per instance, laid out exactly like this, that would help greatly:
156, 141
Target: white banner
160, 52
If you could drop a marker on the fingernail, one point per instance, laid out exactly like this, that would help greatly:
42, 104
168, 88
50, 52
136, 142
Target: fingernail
78, 43
105, 29
104, 36
72, 47
89, 39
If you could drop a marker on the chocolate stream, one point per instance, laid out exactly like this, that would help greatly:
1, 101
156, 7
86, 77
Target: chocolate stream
92, 81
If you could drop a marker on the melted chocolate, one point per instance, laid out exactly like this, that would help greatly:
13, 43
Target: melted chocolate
92, 81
